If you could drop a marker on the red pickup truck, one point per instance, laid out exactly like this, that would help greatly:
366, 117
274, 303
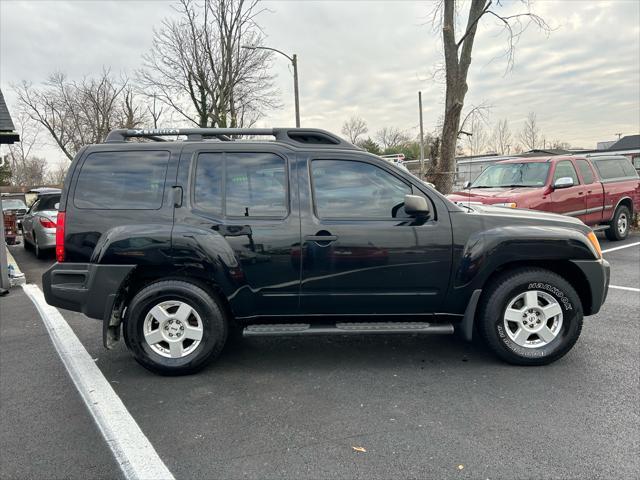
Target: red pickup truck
602, 190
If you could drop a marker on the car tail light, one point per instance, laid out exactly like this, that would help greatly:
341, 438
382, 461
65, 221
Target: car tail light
46, 223
60, 237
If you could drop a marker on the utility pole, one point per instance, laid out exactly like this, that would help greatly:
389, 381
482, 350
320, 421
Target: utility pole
421, 138
294, 61
296, 93
619, 135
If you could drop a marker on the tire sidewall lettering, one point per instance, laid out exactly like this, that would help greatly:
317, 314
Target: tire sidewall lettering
548, 349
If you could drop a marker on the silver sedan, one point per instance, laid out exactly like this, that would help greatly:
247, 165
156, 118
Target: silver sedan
39, 224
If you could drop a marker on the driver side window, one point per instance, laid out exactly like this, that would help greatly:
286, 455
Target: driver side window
353, 189
565, 169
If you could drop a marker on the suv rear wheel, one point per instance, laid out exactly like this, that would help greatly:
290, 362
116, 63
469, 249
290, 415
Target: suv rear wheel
174, 327
530, 316
619, 225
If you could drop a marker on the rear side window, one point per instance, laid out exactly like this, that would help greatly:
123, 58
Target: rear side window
615, 168
585, 171
565, 169
241, 184
131, 180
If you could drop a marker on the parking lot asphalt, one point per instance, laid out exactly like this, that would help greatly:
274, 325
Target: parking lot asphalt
432, 407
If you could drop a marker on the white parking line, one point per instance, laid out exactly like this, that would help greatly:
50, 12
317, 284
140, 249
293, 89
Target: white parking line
620, 248
131, 448
630, 289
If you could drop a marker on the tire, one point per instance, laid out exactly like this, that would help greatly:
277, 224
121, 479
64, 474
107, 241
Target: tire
25, 242
620, 224
206, 316
36, 247
539, 301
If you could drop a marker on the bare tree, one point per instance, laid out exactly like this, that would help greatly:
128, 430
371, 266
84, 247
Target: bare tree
530, 136
560, 145
476, 142
501, 140
77, 113
354, 128
391, 137
197, 65
20, 153
57, 174
457, 56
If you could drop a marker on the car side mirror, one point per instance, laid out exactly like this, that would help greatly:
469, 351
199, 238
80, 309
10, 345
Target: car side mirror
416, 205
563, 182
466, 185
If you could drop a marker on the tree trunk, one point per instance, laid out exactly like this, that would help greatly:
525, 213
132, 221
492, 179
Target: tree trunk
457, 57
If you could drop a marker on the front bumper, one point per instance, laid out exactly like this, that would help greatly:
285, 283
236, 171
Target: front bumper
84, 287
597, 273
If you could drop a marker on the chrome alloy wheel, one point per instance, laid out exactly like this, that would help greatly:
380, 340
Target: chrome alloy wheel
533, 319
173, 329
622, 224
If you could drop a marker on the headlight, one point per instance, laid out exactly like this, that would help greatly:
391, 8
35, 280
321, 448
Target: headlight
596, 244
508, 205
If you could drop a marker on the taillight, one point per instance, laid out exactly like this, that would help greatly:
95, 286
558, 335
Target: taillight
60, 237
46, 223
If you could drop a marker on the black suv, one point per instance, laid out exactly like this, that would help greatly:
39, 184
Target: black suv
185, 243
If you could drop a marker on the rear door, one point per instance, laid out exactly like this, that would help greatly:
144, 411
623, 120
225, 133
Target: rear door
594, 193
361, 254
240, 225
571, 200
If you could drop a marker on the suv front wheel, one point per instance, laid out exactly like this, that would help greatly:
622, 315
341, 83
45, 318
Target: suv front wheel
174, 328
530, 316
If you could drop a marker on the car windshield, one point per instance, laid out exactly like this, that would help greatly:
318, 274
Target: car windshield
526, 174
13, 204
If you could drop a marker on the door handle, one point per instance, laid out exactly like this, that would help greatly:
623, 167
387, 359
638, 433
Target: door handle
322, 238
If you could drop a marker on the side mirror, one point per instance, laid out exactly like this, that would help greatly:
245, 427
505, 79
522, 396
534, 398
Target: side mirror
416, 205
563, 182
466, 185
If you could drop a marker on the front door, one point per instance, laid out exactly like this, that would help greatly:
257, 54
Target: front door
569, 200
361, 253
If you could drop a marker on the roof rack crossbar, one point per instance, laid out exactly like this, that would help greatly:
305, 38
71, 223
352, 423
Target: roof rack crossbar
292, 136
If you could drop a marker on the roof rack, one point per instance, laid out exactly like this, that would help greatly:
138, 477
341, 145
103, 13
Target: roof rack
291, 136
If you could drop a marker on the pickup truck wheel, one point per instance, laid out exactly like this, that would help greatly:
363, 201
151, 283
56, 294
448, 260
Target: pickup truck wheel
174, 328
530, 317
619, 225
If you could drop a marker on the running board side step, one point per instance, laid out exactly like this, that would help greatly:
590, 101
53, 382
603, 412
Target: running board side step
356, 328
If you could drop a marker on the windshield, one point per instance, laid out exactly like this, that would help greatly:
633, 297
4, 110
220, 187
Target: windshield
529, 174
13, 204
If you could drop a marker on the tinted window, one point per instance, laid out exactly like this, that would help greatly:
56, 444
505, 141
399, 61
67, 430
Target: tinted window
585, 171
241, 184
345, 189
122, 180
565, 169
208, 182
49, 202
610, 168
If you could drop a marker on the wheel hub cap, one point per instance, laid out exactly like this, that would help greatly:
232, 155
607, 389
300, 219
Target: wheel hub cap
622, 223
533, 319
173, 329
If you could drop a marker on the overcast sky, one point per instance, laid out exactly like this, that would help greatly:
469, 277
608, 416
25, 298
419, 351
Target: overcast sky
370, 59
